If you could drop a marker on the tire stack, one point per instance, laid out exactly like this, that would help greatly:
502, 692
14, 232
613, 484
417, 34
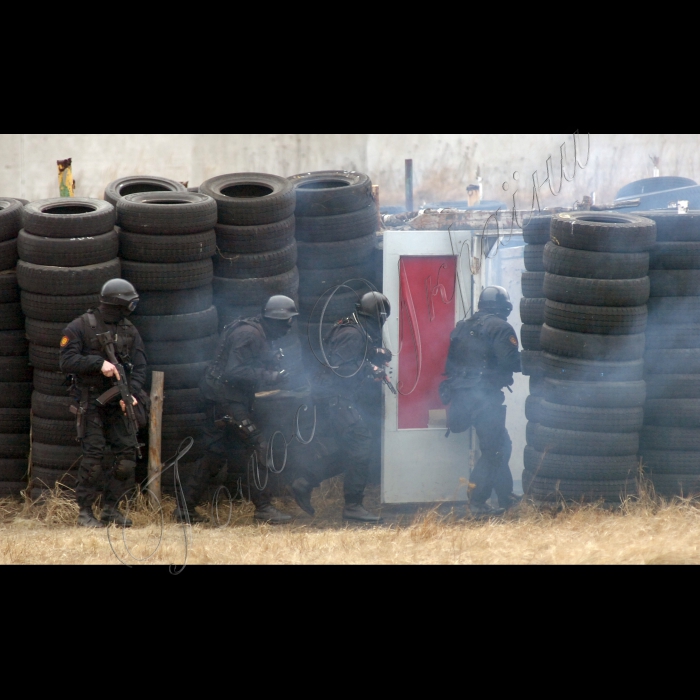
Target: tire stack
67, 250
15, 372
336, 229
166, 241
135, 184
586, 416
670, 441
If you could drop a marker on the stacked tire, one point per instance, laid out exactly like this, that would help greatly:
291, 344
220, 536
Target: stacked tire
336, 229
166, 241
15, 372
67, 250
586, 415
670, 442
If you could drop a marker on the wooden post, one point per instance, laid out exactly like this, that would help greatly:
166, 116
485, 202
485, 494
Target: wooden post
409, 184
66, 183
375, 197
154, 433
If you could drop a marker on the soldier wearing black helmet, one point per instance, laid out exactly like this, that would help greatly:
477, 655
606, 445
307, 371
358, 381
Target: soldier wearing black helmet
245, 362
83, 358
346, 397
481, 360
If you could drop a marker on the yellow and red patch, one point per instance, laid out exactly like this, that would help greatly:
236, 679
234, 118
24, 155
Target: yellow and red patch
64, 341
513, 340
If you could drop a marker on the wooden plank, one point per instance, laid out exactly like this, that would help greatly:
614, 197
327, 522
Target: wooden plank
154, 437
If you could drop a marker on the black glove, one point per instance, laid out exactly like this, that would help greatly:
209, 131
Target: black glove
383, 356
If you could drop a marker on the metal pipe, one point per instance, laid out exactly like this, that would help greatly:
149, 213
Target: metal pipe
409, 184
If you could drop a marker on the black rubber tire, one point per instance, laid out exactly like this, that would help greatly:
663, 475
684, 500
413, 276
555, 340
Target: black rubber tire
673, 386
182, 351
54, 407
338, 254
586, 418
530, 362
673, 336
675, 256
674, 283
532, 310
341, 227
592, 292
14, 420
668, 462
315, 282
179, 401
590, 265
14, 343
536, 385
681, 485
594, 394
168, 450
574, 369
532, 257
8, 254
45, 333
671, 361
52, 383
603, 232
131, 184
255, 239
532, 284
46, 279
548, 490
581, 442
256, 290
166, 249
330, 192
12, 489
663, 438
10, 218
14, 446
9, 289
530, 336
11, 316
43, 357
536, 229
186, 301
673, 310
167, 277
603, 320
15, 394
247, 265
251, 199
69, 217
578, 467
177, 326
675, 413
68, 252
55, 456
56, 307
45, 479
592, 346
54, 432
15, 369
674, 227
166, 213
333, 308
227, 314
181, 376
13, 470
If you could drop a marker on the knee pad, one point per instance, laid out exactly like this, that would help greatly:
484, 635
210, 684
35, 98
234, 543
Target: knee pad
92, 472
124, 470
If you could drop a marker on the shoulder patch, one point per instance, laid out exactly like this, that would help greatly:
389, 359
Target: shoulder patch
513, 340
64, 341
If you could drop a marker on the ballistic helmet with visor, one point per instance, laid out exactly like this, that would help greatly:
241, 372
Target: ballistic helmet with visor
374, 305
495, 299
119, 292
279, 308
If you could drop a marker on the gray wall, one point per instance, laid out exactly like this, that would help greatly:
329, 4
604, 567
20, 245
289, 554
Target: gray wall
444, 164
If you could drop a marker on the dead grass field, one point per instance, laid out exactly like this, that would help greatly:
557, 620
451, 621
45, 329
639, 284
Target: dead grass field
643, 531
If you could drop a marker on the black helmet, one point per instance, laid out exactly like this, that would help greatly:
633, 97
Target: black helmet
119, 292
374, 305
495, 299
279, 308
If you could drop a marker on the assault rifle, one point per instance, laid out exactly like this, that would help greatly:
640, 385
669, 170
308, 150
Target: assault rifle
121, 389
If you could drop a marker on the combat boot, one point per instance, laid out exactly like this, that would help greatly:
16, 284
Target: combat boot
111, 515
510, 502
484, 510
269, 514
356, 511
87, 519
183, 516
301, 490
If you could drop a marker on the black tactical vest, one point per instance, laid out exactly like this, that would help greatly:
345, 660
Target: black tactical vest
217, 366
471, 352
123, 342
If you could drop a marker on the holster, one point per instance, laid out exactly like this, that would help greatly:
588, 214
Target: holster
80, 411
246, 431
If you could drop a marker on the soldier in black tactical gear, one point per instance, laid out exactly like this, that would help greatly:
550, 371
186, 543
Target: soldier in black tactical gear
84, 359
345, 397
482, 357
245, 362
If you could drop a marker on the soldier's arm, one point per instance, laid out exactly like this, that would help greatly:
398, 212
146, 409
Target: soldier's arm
71, 359
245, 362
505, 346
139, 360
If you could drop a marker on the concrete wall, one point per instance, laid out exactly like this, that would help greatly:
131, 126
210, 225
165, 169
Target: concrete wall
444, 164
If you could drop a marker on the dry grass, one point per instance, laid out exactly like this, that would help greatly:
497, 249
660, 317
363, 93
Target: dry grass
647, 530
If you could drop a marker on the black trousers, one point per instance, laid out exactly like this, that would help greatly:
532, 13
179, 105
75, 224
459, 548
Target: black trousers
492, 471
222, 445
339, 418
105, 427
